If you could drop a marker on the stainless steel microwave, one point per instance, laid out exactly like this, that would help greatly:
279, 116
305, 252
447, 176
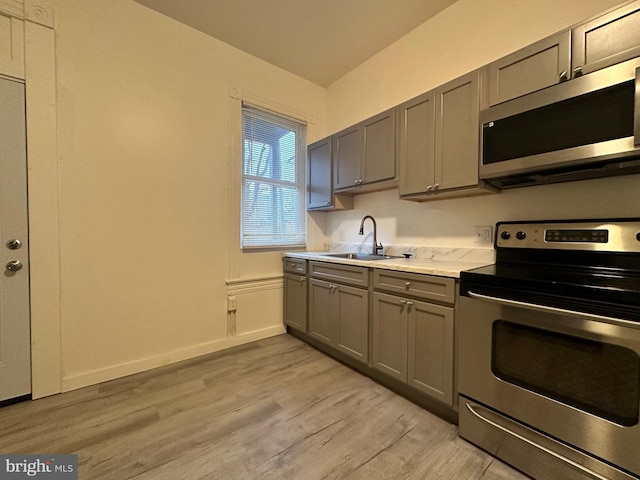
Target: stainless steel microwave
587, 127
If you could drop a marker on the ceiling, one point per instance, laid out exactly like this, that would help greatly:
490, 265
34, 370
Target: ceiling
320, 40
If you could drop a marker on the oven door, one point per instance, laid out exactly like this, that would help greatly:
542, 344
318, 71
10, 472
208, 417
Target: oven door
574, 377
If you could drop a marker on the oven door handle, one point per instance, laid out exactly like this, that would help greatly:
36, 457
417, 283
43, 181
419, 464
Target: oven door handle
547, 309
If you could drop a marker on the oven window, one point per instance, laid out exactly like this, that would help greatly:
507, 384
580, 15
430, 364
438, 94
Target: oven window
595, 377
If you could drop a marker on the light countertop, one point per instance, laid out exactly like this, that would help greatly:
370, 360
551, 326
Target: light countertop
430, 266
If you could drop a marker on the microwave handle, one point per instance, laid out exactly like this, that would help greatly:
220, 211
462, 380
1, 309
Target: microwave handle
553, 310
636, 114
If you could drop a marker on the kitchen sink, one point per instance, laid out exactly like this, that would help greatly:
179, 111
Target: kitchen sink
360, 256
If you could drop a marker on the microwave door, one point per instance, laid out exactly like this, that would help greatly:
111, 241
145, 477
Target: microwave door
591, 123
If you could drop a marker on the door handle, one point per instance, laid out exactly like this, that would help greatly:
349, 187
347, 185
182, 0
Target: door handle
552, 310
14, 265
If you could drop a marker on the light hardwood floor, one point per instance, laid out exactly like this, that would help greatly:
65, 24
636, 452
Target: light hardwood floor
273, 409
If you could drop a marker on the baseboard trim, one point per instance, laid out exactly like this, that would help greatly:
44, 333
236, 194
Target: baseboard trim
85, 379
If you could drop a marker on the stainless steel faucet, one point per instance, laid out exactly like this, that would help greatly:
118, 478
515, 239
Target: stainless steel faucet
376, 245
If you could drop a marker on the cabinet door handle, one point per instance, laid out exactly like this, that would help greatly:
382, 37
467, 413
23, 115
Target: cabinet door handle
577, 72
563, 76
436, 186
409, 305
407, 285
403, 302
303, 279
430, 188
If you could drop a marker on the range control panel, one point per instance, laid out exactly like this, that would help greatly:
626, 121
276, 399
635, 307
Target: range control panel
605, 235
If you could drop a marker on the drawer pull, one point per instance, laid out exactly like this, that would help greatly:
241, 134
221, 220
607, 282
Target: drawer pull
407, 285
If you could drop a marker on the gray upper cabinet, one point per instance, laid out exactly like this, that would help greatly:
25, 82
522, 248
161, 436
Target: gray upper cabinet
439, 142
457, 134
364, 155
597, 43
533, 68
320, 194
416, 139
606, 40
379, 148
346, 160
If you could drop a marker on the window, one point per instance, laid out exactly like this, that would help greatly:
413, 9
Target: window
273, 180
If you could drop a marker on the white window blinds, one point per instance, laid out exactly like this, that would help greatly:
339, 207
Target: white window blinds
273, 180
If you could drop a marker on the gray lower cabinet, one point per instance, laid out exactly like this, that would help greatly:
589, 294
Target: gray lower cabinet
295, 301
430, 350
412, 340
339, 313
410, 330
295, 293
389, 329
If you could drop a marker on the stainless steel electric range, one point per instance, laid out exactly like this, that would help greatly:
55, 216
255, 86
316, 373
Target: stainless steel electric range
549, 349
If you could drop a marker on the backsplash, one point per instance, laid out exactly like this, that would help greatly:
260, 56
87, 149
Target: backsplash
445, 254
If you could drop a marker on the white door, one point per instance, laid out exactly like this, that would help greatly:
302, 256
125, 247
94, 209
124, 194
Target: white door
15, 351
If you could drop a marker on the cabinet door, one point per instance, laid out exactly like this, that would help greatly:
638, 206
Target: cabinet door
389, 335
607, 40
379, 148
321, 314
295, 301
352, 310
430, 368
416, 144
533, 68
346, 158
457, 133
11, 46
319, 178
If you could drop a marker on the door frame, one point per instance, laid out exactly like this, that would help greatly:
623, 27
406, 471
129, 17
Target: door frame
42, 184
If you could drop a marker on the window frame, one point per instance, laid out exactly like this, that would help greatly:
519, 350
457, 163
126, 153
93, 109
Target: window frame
278, 238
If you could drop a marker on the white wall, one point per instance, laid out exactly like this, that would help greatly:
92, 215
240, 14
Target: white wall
146, 142
463, 37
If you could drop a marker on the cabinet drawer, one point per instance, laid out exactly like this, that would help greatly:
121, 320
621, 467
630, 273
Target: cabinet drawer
429, 287
294, 265
332, 272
